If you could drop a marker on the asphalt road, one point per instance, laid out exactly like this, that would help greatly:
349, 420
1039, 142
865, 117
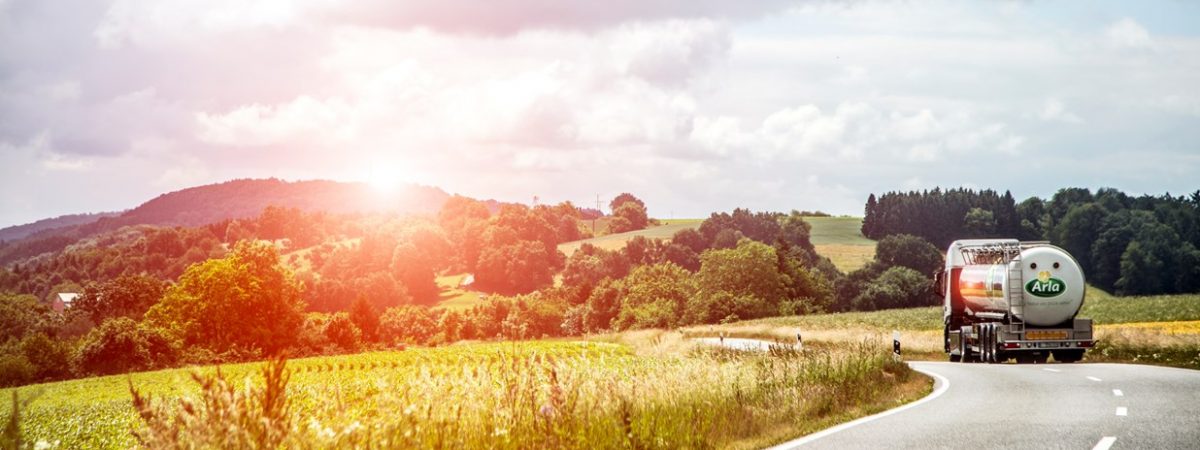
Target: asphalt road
1069, 406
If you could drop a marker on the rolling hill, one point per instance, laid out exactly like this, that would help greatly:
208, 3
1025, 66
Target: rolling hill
211, 203
837, 238
21, 231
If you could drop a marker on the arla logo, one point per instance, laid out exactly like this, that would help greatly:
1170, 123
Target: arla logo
1044, 286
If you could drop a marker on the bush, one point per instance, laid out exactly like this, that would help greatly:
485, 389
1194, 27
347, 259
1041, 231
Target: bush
897, 287
16, 370
342, 332
909, 251
407, 324
51, 357
120, 345
654, 296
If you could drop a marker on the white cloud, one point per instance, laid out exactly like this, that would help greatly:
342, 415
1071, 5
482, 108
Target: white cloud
706, 104
63, 91
158, 23
1128, 33
853, 132
1055, 111
253, 125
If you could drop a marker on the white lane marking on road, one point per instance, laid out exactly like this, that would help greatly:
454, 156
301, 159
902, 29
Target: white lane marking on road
1105, 443
942, 385
1118, 393
1121, 411
1052, 370
1094, 379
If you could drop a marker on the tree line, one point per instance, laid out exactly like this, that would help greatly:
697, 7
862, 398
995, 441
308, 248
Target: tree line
1126, 245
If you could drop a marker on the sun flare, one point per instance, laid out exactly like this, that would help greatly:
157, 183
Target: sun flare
385, 178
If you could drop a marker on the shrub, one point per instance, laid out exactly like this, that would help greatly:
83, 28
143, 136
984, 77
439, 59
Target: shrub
120, 345
15, 369
51, 357
407, 324
342, 332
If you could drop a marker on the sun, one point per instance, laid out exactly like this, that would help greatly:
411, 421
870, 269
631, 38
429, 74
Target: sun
385, 178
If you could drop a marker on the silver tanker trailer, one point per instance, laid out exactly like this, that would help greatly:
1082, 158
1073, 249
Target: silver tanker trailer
1006, 299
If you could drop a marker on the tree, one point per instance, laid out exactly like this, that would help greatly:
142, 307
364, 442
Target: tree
1078, 230
409, 324
909, 251
121, 345
1140, 271
412, 268
654, 296
603, 305
243, 301
633, 213
624, 198
366, 318
342, 332
690, 238
125, 296
897, 287
21, 315
979, 223
748, 272
518, 268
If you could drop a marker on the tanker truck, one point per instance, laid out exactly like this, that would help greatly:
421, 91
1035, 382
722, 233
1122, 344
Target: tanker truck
1006, 299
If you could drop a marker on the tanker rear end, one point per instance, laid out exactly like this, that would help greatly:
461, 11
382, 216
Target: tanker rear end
1006, 299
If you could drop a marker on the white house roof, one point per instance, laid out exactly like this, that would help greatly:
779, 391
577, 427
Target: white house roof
67, 297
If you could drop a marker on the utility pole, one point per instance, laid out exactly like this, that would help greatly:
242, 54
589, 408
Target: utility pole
598, 210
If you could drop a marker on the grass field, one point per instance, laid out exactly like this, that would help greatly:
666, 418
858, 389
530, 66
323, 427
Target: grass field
617, 241
541, 394
838, 238
453, 297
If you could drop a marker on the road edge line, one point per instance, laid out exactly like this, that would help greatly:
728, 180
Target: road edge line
941, 384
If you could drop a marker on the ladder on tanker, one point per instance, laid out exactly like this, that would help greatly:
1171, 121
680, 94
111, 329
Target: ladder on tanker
1016, 294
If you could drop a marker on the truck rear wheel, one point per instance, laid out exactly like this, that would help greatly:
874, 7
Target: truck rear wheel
985, 343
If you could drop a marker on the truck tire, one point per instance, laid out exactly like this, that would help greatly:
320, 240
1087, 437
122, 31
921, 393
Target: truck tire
991, 344
985, 348
949, 351
964, 348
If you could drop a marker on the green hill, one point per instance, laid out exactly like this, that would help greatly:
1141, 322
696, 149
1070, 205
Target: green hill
838, 238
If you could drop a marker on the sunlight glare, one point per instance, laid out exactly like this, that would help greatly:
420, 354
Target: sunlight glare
385, 178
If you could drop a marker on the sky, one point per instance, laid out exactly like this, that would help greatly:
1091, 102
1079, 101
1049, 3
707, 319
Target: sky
694, 106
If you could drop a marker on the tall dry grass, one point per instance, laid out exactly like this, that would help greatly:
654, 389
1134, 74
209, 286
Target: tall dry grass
527, 396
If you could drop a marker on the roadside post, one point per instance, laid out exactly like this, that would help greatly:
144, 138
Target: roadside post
799, 341
896, 345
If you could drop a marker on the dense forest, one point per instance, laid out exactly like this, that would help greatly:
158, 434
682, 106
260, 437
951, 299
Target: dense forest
1126, 245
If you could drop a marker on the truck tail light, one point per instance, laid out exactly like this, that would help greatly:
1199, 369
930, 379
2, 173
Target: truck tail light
1012, 345
1087, 344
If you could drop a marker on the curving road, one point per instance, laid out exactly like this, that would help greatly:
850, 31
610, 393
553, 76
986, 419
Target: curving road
1069, 406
